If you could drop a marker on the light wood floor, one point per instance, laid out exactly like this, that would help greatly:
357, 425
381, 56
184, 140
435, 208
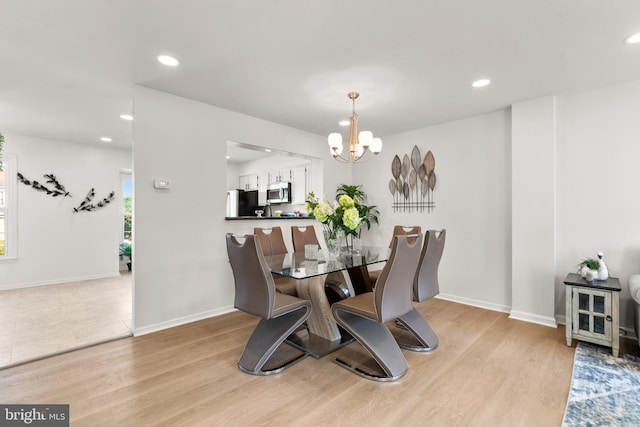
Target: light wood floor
44, 320
488, 371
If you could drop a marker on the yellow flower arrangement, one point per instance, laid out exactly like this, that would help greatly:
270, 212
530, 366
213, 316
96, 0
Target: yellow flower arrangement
346, 213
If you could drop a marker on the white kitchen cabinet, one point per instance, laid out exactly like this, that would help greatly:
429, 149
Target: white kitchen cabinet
248, 182
263, 182
299, 184
280, 175
297, 175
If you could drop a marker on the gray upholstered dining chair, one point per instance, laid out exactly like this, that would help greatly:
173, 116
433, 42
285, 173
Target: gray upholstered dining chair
256, 294
364, 315
271, 240
398, 230
425, 286
305, 235
272, 243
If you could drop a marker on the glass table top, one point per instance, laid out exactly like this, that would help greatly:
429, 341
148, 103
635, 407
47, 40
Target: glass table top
295, 265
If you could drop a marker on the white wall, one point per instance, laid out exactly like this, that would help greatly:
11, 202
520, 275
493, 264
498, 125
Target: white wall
533, 181
181, 270
472, 197
54, 243
598, 201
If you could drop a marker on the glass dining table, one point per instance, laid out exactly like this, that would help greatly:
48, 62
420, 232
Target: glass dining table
322, 335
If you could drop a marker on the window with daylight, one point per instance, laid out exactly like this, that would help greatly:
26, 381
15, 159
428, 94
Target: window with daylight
127, 212
7, 208
3, 215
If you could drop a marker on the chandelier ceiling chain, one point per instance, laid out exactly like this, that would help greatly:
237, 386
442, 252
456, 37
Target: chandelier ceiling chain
359, 143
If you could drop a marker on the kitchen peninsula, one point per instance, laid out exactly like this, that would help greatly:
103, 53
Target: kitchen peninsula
263, 218
245, 225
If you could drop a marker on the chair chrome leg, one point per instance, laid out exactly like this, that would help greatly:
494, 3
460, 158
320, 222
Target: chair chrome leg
277, 369
376, 338
363, 373
266, 338
420, 328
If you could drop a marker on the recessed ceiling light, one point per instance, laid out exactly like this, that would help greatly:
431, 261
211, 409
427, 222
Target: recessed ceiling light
481, 83
344, 123
228, 157
167, 60
106, 139
126, 117
635, 38
267, 150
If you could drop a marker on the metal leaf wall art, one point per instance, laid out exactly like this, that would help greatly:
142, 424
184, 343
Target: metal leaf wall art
413, 183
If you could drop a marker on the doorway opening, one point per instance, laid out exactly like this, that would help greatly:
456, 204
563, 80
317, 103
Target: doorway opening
42, 321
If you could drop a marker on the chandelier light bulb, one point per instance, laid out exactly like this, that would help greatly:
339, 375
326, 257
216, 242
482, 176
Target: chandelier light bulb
335, 140
365, 138
376, 146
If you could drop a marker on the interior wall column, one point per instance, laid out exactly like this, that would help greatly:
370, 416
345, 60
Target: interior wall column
533, 210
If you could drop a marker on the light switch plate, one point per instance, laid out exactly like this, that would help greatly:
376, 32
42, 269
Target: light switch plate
161, 184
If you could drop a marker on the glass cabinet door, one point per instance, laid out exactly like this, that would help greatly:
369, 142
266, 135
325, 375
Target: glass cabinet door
592, 313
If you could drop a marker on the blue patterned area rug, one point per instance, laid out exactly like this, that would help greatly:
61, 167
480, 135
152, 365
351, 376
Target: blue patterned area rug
605, 390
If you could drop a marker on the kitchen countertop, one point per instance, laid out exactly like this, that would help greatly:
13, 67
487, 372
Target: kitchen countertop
243, 218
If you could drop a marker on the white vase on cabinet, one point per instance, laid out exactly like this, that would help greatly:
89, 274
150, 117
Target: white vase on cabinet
603, 272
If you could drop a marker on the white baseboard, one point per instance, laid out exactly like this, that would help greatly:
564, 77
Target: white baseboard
180, 321
628, 333
517, 315
561, 319
475, 303
533, 318
57, 281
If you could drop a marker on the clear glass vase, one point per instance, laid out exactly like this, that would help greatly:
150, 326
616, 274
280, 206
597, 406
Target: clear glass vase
334, 240
353, 244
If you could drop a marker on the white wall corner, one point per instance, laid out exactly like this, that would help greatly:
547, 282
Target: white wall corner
475, 303
533, 210
533, 318
180, 321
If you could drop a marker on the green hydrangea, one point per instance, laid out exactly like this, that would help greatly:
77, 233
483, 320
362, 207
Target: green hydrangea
322, 212
346, 202
351, 217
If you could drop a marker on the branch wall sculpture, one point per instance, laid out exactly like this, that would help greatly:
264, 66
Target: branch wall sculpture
413, 183
60, 190
87, 206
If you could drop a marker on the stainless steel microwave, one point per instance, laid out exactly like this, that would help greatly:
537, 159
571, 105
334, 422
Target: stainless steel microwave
279, 192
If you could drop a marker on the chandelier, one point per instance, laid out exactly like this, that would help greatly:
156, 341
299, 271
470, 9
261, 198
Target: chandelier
359, 144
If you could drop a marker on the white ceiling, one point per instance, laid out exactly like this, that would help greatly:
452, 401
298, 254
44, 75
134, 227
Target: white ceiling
67, 67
